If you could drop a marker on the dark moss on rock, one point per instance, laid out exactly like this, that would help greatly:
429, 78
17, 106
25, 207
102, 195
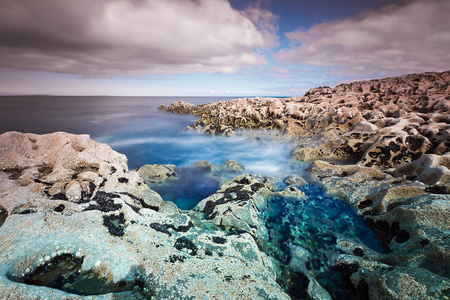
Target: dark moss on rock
113, 170
402, 236
105, 202
234, 194
115, 224
184, 244
359, 251
59, 196
365, 203
14, 173
141, 201
257, 186
3, 215
60, 208
164, 228
219, 240
86, 195
174, 258
123, 180
437, 189
363, 289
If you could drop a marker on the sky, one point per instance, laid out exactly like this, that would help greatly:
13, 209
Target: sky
215, 47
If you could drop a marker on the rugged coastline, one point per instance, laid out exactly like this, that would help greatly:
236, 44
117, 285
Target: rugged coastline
73, 216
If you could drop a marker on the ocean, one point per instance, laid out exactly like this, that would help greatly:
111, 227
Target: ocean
133, 126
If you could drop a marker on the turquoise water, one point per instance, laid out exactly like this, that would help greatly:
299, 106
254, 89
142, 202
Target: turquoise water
312, 224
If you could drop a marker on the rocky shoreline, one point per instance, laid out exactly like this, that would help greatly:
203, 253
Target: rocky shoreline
75, 222
383, 147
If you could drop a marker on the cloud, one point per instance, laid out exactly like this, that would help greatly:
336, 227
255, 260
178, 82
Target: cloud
132, 37
397, 39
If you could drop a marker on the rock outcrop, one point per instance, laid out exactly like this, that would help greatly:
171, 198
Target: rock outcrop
386, 122
383, 147
76, 223
157, 173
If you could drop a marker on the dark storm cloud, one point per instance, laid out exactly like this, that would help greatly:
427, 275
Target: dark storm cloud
397, 39
122, 37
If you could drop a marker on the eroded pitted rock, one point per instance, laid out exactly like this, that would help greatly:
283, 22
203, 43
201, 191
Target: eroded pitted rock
384, 122
430, 169
179, 107
375, 280
393, 149
217, 129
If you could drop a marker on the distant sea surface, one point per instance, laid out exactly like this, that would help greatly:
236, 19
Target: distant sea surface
133, 126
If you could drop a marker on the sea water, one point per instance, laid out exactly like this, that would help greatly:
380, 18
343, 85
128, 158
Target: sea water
133, 126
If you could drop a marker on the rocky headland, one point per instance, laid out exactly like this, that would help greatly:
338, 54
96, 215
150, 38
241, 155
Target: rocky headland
76, 223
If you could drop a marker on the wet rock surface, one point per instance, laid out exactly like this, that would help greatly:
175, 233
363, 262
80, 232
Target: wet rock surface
77, 223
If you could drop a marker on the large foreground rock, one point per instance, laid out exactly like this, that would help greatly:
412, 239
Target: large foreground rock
76, 223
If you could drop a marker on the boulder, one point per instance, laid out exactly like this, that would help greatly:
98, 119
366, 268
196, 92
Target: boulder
236, 205
205, 166
234, 166
157, 173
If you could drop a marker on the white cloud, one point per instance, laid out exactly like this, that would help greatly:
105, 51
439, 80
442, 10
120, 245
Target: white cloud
131, 37
414, 37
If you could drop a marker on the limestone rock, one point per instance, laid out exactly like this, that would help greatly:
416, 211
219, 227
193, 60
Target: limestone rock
179, 107
205, 166
234, 166
217, 129
374, 280
157, 173
430, 169
195, 127
295, 181
236, 205
384, 122
120, 240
